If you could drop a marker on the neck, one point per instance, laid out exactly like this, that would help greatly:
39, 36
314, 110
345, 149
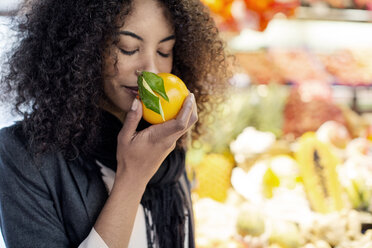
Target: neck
109, 107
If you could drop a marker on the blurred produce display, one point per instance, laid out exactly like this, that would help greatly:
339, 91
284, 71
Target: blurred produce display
235, 15
316, 192
284, 167
357, 4
214, 169
308, 106
238, 14
350, 67
287, 163
260, 67
298, 65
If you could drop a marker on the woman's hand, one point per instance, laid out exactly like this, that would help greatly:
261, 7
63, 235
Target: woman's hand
139, 154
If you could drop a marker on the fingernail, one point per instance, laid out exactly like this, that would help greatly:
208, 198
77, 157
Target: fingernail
191, 101
134, 105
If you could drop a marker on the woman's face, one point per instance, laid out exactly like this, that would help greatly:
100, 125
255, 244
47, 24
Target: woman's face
146, 43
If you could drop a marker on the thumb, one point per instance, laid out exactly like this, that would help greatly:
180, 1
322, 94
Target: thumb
132, 119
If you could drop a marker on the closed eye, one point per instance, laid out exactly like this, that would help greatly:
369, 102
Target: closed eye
128, 52
165, 55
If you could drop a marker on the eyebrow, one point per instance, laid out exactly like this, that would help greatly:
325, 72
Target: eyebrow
171, 37
131, 34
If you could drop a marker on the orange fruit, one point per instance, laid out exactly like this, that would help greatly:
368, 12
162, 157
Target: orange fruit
176, 91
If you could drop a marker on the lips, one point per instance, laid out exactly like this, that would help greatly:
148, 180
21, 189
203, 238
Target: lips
132, 89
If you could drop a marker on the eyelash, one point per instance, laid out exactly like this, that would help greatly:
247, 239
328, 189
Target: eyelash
165, 55
129, 53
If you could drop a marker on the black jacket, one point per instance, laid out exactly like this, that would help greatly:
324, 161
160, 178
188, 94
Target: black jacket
51, 201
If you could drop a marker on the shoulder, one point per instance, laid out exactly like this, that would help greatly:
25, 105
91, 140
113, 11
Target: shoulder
19, 173
15, 148
12, 135
12, 140
15, 156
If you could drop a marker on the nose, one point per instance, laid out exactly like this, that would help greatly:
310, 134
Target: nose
149, 63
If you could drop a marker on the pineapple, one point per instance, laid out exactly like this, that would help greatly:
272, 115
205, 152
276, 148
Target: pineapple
212, 176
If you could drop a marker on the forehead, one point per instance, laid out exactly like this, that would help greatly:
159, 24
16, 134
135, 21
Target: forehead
148, 15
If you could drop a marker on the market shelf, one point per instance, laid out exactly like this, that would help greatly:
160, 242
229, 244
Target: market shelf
333, 14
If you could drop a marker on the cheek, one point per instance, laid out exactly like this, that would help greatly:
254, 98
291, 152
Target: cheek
119, 99
166, 65
111, 91
119, 74
116, 66
109, 88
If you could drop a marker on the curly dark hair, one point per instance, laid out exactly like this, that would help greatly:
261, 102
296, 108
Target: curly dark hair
56, 69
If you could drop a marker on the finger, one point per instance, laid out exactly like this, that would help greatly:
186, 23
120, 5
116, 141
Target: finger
194, 116
185, 113
178, 125
131, 120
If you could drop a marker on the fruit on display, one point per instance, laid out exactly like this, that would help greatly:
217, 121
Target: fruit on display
349, 67
359, 194
260, 67
338, 3
222, 13
341, 4
364, 4
338, 229
249, 145
268, 99
162, 96
262, 10
314, 212
266, 9
330, 3
344, 66
251, 142
334, 133
309, 187
215, 222
364, 241
304, 112
270, 181
250, 222
213, 177
285, 234
356, 173
318, 244
359, 148
298, 65
368, 134
257, 13
355, 123
318, 171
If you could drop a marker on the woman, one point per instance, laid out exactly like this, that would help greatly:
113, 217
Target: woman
82, 168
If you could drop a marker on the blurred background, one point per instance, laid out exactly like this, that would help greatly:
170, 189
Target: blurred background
288, 162
6, 40
7, 7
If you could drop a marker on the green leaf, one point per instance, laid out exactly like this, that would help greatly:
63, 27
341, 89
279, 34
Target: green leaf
156, 83
150, 100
